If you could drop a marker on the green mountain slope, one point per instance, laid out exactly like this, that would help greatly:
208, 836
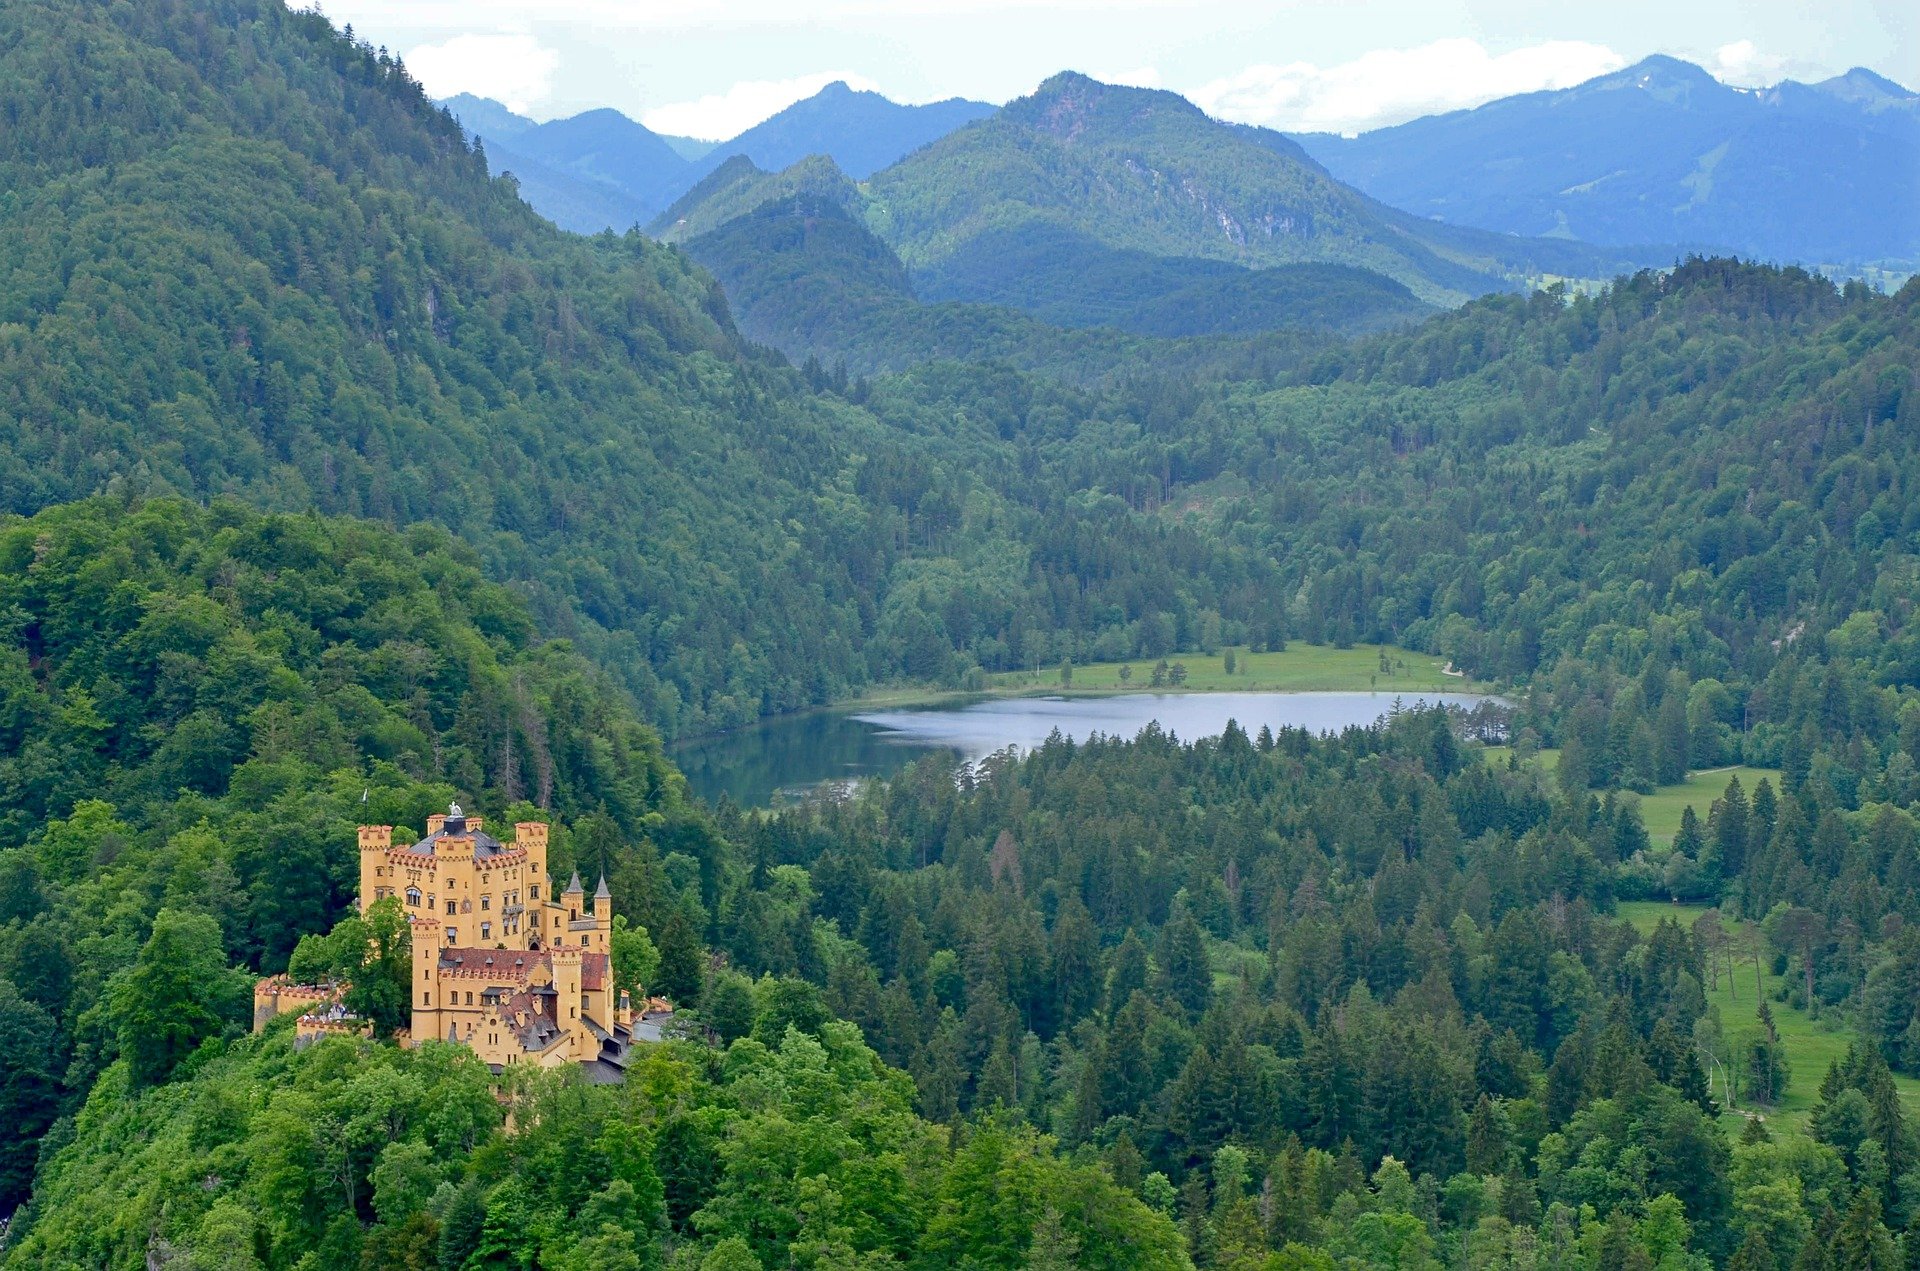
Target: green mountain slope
248, 257
802, 274
804, 271
1063, 277
1143, 170
242, 255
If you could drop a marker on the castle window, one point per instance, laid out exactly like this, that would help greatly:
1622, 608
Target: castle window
426, 999
413, 896
453, 935
453, 906
486, 902
469, 999
486, 931
534, 891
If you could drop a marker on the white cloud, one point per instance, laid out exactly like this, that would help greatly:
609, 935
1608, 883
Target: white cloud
723, 116
1743, 65
515, 70
1391, 86
678, 15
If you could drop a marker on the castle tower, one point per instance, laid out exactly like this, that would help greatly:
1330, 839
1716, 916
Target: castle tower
582, 1045
602, 941
453, 855
428, 1018
375, 842
531, 838
568, 913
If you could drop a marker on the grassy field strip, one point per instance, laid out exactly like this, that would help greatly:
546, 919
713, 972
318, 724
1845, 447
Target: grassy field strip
1660, 811
1297, 668
1812, 1044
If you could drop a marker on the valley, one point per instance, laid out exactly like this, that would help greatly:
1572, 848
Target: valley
1069, 680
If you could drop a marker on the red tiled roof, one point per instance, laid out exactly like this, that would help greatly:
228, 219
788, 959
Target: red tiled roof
595, 971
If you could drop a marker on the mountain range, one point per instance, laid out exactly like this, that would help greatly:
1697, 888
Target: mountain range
1662, 152
601, 170
1083, 205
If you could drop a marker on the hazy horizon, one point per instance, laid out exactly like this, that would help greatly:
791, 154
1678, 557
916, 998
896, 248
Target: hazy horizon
714, 70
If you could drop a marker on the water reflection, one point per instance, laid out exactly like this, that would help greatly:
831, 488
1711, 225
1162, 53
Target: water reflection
779, 760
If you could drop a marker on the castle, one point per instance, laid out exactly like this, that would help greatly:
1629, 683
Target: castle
500, 963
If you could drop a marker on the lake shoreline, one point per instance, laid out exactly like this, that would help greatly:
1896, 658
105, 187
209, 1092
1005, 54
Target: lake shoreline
856, 741
1299, 668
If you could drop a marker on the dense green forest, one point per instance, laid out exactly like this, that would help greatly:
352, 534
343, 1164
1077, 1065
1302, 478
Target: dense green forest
338, 486
200, 704
243, 255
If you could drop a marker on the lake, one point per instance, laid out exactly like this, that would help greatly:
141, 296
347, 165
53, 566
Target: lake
783, 759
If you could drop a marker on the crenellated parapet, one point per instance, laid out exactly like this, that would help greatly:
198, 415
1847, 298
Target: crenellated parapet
277, 995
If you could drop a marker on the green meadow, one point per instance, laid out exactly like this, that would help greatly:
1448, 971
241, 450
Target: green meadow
1661, 811
1297, 668
1812, 1044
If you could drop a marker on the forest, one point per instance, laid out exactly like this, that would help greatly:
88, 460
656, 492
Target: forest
338, 486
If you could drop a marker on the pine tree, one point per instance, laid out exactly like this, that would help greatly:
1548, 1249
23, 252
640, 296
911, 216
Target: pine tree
1053, 1248
1486, 1139
1752, 1255
1189, 975
682, 974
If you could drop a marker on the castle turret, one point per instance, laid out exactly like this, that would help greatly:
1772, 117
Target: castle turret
623, 1015
582, 1044
427, 1015
375, 842
453, 856
531, 838
602, 917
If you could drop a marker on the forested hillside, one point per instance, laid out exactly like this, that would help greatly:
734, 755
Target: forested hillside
802, 274
243, 255
197, 705
1358, 1001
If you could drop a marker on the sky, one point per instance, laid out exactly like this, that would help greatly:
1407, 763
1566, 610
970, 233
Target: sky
712, 68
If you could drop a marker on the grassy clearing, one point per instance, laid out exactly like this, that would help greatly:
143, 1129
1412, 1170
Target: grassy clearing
1547, 761
1661, 810
1297, 668
1812, 1044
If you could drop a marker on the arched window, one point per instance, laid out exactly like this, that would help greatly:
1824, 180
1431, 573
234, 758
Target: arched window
413, 896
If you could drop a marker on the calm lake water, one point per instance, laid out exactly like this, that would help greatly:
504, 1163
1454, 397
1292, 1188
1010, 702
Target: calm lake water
779, 760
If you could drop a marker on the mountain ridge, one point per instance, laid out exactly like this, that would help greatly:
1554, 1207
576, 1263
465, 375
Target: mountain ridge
1661, 151
601, 169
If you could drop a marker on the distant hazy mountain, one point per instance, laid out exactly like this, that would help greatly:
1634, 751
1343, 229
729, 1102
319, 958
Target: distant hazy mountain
1147, 173
862, 132
592, 171
487, 117
602, 170
1825, 173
